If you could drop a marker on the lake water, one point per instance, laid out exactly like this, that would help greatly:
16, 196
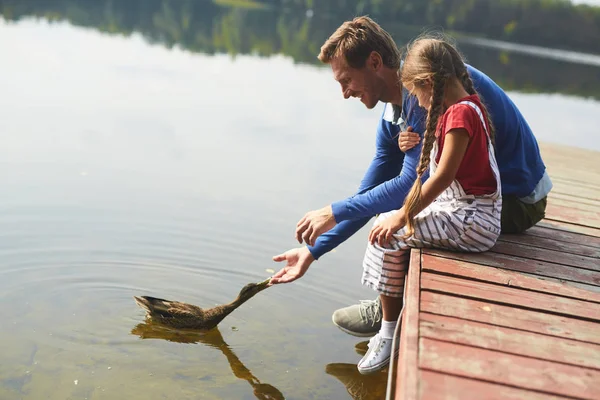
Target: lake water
132, 168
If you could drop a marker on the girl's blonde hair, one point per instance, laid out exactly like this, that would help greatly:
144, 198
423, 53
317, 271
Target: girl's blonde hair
434, 61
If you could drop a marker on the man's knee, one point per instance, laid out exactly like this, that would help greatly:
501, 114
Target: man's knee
518, 216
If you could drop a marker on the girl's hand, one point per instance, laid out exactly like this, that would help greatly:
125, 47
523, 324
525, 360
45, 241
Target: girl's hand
407, 140
383, 231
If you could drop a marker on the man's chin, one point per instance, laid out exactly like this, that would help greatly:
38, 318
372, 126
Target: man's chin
369, 104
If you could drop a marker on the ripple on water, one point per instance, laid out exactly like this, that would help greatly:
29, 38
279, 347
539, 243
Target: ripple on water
70, 282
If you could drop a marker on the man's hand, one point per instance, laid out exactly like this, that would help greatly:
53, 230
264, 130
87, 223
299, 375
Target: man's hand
383, 231
314, 224
409, 139
298, 261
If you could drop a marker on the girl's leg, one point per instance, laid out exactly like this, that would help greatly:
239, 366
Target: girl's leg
391, 307
385, 271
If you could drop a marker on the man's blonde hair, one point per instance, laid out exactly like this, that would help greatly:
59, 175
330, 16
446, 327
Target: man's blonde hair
356, 39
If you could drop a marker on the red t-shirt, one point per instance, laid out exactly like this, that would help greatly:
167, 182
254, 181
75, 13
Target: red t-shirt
475, 173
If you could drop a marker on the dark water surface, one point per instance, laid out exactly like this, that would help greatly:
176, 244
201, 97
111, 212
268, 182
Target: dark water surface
130, 168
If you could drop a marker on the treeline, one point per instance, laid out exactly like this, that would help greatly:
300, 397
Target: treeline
549, 23
207, 27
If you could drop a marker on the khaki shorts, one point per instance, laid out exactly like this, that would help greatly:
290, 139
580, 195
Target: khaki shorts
517, 216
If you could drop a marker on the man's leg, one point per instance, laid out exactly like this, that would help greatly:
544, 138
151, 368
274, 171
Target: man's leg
518, 216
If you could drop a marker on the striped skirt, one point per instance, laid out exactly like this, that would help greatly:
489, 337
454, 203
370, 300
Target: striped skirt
469, 225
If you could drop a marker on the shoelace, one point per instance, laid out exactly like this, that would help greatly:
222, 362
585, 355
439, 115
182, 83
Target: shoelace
379, 341
370, 310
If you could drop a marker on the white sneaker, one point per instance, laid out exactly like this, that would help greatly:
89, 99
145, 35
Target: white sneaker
378, 355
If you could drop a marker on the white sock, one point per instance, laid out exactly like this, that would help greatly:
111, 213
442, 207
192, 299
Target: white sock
387, 329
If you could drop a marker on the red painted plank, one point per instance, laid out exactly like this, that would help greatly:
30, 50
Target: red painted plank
557, 257
512, 296
510, 317
407, 378
439, 386
551, 232
551, 244
520, 264
516, 371
507, 278
506, 340
572, 215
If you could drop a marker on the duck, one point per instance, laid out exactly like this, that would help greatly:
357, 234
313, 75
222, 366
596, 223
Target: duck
178, 315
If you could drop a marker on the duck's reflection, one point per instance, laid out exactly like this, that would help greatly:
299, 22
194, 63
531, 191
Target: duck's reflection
359, 386
212, 338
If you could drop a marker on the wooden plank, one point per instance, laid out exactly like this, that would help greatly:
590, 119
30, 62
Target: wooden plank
582, 286
576, 184
517, 371
574, 158
578, 203
573, 215
458, 268
516, 297
407, 378
439, 386
551, 244
586, 230
510, 317
550, 232
576, 190
521, 264
553, 256
565, 186
508, 340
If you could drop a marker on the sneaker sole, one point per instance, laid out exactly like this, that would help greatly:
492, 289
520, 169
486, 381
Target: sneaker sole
357, 334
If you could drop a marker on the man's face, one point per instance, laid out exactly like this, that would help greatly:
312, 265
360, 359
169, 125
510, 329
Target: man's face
362, 83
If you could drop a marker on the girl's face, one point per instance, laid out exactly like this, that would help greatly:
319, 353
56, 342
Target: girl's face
421, 89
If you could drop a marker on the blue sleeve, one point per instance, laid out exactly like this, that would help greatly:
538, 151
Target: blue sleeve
390, 194
385, 185
386, 164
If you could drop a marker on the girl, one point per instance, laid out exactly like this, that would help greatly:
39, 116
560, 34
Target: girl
458, 207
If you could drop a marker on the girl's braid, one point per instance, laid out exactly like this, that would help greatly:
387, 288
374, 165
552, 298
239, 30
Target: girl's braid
436, 109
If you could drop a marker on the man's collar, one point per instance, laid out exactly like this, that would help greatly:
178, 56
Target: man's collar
392, 113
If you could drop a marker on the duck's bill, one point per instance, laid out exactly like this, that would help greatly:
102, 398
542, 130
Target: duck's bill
265, 283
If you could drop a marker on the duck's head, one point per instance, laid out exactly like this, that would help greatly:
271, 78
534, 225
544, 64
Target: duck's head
253, 288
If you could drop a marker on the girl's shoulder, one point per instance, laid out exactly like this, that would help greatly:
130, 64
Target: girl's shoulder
463, 114
466, 103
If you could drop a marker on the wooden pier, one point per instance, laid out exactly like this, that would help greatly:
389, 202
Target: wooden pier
521, 321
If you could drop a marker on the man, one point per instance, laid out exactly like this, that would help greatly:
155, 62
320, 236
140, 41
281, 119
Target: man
365, 61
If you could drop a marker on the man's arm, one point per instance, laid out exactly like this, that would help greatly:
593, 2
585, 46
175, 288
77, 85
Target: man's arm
390, 194
386, 165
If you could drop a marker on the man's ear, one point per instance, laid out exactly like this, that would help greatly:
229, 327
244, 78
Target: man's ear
374, 61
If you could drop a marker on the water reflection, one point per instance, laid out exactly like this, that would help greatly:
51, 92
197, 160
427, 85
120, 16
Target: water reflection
214, 339
359, 386
208, 28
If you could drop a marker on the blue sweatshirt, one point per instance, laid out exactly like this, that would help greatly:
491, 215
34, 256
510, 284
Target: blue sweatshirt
392, 173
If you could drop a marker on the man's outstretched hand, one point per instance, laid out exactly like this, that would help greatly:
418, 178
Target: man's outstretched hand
314, 224
298, 260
